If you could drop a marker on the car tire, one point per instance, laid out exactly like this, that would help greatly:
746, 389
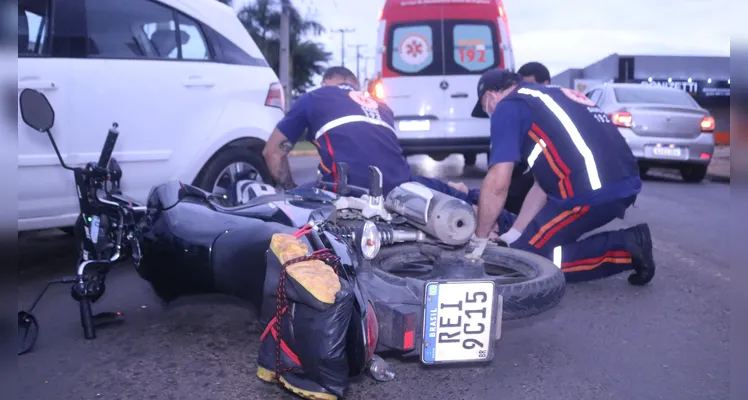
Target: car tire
470, 158
693, 173
230, 155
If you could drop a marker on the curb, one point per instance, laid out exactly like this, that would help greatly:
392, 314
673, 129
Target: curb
302, 153
718, 178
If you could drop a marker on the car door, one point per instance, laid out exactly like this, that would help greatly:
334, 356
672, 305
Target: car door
470, 48
415, 54
147, 75
46, 192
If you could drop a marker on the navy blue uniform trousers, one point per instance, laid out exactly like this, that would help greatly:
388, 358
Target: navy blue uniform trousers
555, 231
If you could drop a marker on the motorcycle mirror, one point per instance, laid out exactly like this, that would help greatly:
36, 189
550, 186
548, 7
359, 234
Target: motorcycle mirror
36, 111
28, 332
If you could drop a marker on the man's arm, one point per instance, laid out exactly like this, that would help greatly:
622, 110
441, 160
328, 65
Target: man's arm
282, 140
276, 157
493, 193
510, 122
534, 202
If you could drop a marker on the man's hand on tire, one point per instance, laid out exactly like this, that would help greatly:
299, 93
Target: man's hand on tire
510, 236
479, 245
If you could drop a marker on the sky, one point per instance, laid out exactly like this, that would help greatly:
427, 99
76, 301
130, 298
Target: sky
560, 34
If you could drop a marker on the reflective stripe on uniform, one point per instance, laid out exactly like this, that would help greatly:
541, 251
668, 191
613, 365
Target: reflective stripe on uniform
534, 155
348, 119
557, 256
571, 129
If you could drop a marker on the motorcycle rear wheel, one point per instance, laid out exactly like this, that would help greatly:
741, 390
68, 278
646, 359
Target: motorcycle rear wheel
528, 283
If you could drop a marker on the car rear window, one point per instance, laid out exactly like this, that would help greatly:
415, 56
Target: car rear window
650, 95
473, 48
415, 49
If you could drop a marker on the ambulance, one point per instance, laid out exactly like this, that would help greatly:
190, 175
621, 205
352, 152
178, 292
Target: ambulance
430, 54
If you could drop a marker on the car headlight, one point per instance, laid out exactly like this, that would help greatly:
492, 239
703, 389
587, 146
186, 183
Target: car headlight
370, 243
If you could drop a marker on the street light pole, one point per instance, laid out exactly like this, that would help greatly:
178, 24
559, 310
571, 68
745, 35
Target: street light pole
342, 43
358, 59
285, 53
366, 66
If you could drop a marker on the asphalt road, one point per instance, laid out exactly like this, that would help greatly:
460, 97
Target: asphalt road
606, 340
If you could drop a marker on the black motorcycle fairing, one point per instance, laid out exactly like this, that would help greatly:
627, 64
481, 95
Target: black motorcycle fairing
239, 262
176, 245
190, 248
164, 196
216, 252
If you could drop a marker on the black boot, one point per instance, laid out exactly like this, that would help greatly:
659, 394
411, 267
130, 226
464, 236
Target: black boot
639, 245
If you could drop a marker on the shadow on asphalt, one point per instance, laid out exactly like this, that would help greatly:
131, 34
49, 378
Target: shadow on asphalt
44, 252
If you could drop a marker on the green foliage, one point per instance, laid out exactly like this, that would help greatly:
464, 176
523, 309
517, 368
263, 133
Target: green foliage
262, 19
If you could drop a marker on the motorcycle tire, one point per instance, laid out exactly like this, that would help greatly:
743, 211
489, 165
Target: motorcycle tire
541, 292
208, 175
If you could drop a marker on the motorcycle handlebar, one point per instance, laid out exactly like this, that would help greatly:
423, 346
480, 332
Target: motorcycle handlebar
120, 205
106, 151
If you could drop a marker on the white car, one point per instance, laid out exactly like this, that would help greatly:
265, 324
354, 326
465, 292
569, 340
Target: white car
193, 95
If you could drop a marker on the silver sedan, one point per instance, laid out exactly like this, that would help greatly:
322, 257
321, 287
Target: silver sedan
665, 127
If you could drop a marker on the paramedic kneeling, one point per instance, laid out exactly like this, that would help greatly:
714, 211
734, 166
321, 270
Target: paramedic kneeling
585, 176
345, 126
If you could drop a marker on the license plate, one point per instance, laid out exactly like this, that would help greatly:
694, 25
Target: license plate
461, 321
417, 125
671, 152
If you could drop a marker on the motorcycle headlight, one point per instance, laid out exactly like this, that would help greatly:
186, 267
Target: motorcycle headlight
370, 243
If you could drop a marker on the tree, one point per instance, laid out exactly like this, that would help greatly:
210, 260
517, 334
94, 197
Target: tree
262, 20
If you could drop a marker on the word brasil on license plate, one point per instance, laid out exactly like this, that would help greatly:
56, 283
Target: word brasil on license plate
459, 322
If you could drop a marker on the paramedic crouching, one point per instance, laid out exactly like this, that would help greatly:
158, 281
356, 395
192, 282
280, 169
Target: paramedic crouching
585, 176
345, 126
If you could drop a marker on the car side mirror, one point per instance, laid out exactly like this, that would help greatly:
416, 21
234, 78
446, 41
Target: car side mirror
36, 111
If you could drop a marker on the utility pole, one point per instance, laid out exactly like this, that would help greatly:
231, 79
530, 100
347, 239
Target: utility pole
285, 53
342, 43
358, 59
366, 66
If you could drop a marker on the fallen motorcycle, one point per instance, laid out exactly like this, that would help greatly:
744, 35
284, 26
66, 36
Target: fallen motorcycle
416, 293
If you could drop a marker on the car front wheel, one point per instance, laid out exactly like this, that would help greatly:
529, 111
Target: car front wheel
231, 165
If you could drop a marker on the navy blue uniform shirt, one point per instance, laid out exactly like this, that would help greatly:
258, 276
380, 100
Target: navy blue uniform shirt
575, 153
348, 127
